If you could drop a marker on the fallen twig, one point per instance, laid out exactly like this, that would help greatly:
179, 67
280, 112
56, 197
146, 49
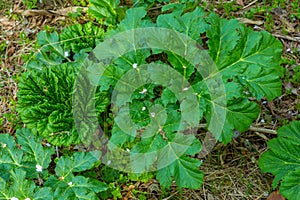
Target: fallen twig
250, 4
252, 128
262, 130
295, 39
62, 12
249, 21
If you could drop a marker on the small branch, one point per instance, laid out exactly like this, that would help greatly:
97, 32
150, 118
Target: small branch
61, 12
249, 21
170, 196
295, 39
262, 130
250, 4
252, 128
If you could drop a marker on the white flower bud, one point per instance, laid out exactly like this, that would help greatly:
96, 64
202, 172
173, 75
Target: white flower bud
143, 91
39, 168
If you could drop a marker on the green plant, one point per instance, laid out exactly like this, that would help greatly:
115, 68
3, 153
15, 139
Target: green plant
30, 3
81, 37
229, 7
45, 103
247, 63
241, 56
283, 160
269, 22
80, 3
24, 171
296, 76
45, 90
107, 11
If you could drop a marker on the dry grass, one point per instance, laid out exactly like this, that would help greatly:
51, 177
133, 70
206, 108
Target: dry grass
231, 172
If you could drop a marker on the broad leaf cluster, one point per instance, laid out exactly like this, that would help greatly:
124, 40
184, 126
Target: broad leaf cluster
157, 95
247, 61
45, 90
28, 160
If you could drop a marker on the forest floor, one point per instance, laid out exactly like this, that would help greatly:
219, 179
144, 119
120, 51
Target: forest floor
231, 171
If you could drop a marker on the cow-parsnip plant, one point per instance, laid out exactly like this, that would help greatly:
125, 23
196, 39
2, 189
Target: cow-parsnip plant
283, 160
27, 172
45, 89
247, 61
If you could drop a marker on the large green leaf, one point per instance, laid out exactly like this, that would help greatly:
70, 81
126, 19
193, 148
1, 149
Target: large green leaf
28, 155
253, 56
69, 186
290, 186
283, 160
45, 103
184, 169
240, 113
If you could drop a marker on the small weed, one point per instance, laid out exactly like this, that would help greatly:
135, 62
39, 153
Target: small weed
229, 8
30, 3
83, 3
269, 22
296, 76
74, 16
2, 47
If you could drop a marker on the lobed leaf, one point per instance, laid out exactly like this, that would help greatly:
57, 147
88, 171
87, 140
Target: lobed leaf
283, 160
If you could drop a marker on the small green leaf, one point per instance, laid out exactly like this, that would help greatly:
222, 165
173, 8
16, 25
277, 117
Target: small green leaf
80, 161
21, 187
104, 9
51, 51
191, 23
185, 171
32, 146
43, 194
79, 37
79, 187
10, 155
132, 20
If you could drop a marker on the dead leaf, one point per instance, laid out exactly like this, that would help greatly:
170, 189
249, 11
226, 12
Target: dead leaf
287, 25
5, 22
210, 196
11, 51
240, 2
275, 196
